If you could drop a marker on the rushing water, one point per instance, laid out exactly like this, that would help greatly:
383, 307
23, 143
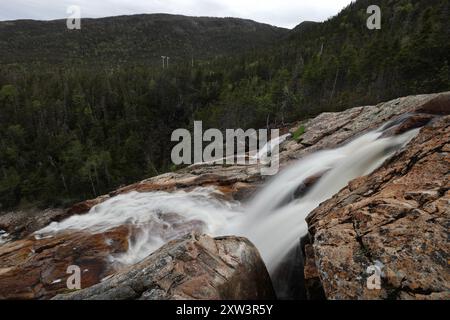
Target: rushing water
273, 220
266, 151
158, 216
4, 237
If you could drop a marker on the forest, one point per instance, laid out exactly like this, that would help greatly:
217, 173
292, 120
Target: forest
72, 130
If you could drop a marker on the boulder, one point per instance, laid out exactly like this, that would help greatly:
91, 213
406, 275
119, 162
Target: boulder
193, 267
439, 105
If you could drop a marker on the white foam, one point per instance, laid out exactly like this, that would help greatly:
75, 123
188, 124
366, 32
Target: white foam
4, 237
274, 221
158, 217
265, 153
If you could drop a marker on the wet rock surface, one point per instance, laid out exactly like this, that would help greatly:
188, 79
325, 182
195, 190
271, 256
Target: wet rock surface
330, 130
37, 268
194, 267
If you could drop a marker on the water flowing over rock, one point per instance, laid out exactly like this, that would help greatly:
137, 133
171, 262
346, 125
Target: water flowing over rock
395, 214
329, 130
397, 217
194, 267
326, 131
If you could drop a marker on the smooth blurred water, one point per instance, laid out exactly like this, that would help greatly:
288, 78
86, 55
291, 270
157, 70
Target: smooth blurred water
273, 220
4, 237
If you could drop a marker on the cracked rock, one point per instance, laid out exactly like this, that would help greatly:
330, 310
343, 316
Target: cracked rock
402, 223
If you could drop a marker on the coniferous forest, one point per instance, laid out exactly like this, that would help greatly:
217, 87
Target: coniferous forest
79, 120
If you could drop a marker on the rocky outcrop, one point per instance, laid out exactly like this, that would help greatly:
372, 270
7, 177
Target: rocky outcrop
332, 129
397, 218
234, 182
37, 269
19, 224
194, 267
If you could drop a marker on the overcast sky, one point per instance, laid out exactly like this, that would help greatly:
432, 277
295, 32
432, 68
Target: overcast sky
283, 13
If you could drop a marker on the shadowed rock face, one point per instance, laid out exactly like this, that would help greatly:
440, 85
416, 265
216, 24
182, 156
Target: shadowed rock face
399, 216
194, 267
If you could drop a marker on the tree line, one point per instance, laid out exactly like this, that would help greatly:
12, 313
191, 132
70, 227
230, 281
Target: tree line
75, 131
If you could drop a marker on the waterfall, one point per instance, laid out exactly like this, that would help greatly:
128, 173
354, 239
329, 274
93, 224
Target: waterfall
275, 224
157, 217
268, 148
273, 220
3, 236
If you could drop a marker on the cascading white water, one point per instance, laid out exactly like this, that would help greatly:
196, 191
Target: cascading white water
4, 237
275, 227
269, 147
157, 216
274, 221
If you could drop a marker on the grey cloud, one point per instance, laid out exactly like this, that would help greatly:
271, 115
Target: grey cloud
285, 13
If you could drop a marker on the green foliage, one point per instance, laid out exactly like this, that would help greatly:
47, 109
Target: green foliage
8, 94
86, 112
139, 39
298, 133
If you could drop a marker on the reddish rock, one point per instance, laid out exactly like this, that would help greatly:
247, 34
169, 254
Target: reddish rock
438, 106
412, 121
234, 182
37, 269
313, 286
398, 216
19, 224
85, 206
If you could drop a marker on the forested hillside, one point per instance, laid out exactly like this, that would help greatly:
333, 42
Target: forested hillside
73, 126
137, 39
341, 62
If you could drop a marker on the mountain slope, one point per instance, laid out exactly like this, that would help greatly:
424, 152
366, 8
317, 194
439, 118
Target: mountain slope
135, 39
70, 131
342, 62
